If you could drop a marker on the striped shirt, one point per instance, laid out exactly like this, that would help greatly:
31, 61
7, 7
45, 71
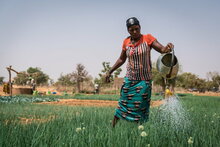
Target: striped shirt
139, 58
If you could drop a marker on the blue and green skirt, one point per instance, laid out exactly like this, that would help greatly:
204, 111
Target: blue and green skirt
134, 102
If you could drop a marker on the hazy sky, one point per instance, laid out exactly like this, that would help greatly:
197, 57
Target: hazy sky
55, 35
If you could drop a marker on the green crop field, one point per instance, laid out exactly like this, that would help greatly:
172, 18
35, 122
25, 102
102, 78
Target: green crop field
186, 121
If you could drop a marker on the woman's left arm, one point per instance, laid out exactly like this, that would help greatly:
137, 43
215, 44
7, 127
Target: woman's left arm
162, 49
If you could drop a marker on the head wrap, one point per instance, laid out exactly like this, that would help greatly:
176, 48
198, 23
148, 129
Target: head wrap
132, 21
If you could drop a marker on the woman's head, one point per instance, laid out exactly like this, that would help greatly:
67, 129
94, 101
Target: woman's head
132, 21
133, 27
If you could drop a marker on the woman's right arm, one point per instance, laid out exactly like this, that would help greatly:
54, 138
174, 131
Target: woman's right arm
121, 60
162, 49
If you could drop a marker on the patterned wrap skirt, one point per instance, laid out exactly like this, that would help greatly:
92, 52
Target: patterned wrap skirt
134, 102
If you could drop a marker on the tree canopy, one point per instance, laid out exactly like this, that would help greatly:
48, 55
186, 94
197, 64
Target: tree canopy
79, 75
65, 80
106, 68
1, 80
32, 73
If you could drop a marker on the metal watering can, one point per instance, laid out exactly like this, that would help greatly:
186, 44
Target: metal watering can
167, 65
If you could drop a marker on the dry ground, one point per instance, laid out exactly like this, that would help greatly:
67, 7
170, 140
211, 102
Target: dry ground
95, 103
53, 89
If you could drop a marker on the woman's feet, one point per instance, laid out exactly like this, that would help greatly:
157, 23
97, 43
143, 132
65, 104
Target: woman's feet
114, 121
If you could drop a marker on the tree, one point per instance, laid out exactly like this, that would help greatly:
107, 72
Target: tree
106, 68
188, 80
214, 80
210, 85
21, 79
38, 75
51, 82
157, 78
79, 76
117, 72
35, 73
1, 80
200, 84
65, 80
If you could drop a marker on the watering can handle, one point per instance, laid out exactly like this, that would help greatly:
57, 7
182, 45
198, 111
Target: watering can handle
171, 64
172, 60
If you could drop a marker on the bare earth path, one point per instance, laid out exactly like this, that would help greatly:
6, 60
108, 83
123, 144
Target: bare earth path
95, 103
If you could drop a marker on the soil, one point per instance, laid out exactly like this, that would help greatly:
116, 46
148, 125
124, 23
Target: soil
206, 93
43, 90
95, 103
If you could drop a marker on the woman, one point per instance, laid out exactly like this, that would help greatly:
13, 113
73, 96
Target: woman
135, 94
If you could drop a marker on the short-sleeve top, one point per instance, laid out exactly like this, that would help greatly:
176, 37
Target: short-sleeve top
139, 58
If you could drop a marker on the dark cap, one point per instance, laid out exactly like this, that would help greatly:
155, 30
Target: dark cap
132, 21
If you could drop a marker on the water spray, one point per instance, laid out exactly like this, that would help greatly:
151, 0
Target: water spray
171, 111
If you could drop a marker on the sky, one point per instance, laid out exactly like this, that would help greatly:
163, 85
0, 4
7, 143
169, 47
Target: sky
56, 35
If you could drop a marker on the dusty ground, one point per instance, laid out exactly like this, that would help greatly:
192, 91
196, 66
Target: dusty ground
72, 102
1, 91
53, 89
95, 103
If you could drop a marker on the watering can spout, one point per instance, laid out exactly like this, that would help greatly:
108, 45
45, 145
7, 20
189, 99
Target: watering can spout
168, 93
167, 65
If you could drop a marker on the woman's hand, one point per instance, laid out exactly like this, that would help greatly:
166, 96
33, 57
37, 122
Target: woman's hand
168, 48
107, 77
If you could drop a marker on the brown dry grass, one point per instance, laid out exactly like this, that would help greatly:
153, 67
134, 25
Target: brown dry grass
25, 121
30, 120
94, 103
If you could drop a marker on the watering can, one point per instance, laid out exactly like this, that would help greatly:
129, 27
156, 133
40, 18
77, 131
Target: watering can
167, 65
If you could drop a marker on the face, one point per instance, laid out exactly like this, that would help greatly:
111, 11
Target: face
134, 31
